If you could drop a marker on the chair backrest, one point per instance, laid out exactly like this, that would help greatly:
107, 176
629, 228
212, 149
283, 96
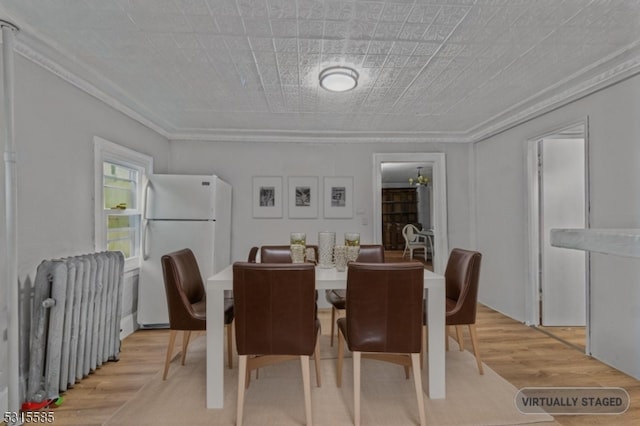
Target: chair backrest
409, 232
253, 253
462, 277
274, 306
275, 254
280, 253
384, 306
371, 253
184, 288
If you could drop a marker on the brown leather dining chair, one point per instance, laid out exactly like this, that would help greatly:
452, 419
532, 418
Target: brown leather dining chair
275, 321
253, 253
280, 253
370, 253
187, 304
381, 327
462, 276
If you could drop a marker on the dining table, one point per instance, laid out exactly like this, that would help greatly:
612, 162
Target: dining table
326, 278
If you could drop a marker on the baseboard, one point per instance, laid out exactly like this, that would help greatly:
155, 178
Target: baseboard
127, 326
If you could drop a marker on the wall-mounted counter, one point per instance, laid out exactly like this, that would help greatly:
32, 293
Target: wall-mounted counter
618, 242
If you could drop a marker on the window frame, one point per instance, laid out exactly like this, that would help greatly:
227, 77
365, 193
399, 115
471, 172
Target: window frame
106, 151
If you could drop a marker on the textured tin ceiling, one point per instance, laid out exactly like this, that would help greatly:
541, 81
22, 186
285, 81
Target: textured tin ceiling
439, 70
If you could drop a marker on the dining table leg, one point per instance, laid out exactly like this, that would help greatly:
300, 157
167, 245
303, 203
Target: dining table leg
436, 320
215, 348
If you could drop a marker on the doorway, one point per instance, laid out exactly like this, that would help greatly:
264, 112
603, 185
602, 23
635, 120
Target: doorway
559, 199
436, 163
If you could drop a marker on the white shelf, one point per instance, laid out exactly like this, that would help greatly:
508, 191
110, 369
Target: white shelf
617, 242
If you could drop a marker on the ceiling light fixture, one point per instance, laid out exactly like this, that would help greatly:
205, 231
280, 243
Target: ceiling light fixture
338, 79
420, 180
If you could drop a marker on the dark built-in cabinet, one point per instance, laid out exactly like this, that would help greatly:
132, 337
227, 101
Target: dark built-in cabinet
399, 207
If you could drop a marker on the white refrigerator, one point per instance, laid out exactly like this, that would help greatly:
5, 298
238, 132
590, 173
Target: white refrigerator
181, 211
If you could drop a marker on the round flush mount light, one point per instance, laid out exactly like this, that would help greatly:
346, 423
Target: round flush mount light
338, 79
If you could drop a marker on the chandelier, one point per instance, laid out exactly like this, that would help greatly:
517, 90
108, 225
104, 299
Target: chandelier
419, 180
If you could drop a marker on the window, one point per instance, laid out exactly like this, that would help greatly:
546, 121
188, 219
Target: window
120, 179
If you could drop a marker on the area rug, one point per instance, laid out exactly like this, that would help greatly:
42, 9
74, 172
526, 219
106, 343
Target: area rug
276, 398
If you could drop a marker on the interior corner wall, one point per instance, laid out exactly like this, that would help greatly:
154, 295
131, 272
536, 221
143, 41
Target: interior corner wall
614, 179
237, 162
55, 123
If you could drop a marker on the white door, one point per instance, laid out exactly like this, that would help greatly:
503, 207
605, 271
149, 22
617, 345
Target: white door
562, 205
163, 237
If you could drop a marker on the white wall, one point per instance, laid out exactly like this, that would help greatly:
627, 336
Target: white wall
501, 220
54, 128
237, 162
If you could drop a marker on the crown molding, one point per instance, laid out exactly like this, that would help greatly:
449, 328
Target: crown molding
317, 137
82, 78
607, 72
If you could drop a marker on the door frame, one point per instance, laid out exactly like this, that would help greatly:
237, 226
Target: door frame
532, 295
438, 164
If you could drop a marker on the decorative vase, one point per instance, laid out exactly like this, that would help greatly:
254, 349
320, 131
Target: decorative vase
351, 239
297, 253
340, 257
352, 253
326, 241
298, 238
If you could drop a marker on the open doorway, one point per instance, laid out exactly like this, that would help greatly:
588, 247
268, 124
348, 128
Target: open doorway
559, 199
435, 163
407, 199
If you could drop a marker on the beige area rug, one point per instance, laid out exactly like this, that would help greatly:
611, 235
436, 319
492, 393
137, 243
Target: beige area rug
277, 397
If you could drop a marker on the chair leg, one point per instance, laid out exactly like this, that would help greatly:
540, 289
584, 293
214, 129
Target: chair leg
185, 343
474, 343
333, 323
417, 377
304, 360
316, 356
340, 358
460, 337
242, 374
229, 328
172, 341
356, 387
425, 345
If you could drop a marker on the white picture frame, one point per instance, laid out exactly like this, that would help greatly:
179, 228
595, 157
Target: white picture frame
267, 196
338, 197
303, 197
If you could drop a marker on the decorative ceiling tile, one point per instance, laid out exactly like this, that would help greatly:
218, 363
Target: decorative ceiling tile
451, 67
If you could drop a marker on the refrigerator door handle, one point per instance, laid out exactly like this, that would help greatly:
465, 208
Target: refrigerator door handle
145, 199
145, 252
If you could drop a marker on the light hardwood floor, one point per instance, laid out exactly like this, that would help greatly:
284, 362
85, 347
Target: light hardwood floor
522, 355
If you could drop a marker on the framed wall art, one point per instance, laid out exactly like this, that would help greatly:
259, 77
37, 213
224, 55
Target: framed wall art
338, 197
267, 197
303, 197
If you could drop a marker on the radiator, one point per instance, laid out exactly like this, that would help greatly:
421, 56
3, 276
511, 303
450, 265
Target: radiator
75, 327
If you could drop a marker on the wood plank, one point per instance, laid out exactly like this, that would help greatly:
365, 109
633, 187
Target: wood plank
523, 355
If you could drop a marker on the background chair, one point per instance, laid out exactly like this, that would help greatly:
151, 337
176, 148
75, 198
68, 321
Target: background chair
275, 321
381, 327
186, 302
462, 276
414, 241
369, 253
253, 253
280, 253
